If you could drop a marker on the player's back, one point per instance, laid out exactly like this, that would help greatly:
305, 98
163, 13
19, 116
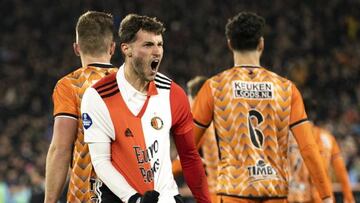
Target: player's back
252, 109
67, 99
328, 141
211, 159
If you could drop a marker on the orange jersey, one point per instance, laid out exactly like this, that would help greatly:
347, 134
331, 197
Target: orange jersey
252, 111
301, 187
210, 157
332, 158
67, 99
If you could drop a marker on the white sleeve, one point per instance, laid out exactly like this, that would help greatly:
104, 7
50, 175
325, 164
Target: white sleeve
100, 158
97, 123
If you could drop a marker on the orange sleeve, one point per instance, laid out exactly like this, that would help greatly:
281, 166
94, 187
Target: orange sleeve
203, 111
297, 114
203, 107
65, 100
340, 172
309, 150
312, 158
335, 150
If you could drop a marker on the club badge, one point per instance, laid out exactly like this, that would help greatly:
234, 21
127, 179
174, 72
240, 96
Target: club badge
157, 123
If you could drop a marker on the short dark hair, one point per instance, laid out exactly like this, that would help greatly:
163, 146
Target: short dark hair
95, 32
195, 84
132, 23
244, 31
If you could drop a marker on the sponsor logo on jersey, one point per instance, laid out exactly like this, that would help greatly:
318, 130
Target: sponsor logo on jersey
86, 120
128, 133
253, 90
261, 170
145, 156
157, 123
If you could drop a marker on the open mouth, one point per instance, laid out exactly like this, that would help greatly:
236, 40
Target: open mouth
154, 64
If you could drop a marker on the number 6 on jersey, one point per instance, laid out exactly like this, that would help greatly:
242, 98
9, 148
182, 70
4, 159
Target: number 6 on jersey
255, 118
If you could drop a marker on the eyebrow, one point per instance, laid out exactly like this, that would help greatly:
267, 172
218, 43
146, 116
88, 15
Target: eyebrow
151, 42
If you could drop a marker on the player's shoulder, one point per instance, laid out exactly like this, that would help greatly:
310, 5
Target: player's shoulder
222, 73
326, 132
70, 79
163, 82
72, 75
276, 76
82, 73
107, 86
107, 80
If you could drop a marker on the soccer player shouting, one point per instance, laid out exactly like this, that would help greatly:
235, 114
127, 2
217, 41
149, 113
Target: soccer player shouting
128, 118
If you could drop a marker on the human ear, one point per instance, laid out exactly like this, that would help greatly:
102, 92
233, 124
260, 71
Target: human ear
261, 44
126, 49
76, 48
112, 48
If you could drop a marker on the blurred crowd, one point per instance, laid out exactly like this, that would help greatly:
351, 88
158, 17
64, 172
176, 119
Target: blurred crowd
314, 43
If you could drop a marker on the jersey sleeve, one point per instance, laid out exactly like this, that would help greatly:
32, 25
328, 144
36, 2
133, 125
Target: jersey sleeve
342, 176
65, 100
335, 150
180, 110
297, 114
97, 123
191, 164
203, 106
312, 158
101, 159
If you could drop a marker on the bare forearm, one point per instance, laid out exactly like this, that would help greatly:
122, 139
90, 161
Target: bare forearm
57, 166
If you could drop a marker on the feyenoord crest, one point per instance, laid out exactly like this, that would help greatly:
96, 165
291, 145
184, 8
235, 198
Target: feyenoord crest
157, 123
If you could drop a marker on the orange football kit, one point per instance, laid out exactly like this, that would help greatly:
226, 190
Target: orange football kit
301, 187
253, 111
67, 99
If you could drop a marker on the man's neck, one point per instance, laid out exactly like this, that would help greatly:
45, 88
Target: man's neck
135, 80
86, 60
247, 58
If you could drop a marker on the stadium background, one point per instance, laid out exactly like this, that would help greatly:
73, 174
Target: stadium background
313, 43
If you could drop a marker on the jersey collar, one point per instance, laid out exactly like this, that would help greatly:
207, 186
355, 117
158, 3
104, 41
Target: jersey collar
152, 89
247, 66
101, 65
